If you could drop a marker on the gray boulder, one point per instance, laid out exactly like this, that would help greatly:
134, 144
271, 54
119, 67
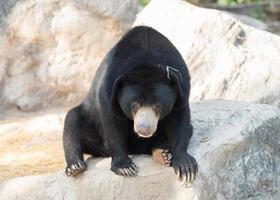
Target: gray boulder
237, 146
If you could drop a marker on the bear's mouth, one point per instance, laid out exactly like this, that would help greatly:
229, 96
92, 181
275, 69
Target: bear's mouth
144, 135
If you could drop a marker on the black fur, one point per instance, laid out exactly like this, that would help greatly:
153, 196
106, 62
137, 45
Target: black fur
98, 126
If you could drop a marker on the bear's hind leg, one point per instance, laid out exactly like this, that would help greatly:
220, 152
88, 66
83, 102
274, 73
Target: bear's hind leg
161, 152
163, 156
74, 131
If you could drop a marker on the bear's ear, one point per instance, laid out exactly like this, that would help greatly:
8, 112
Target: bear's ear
176, 77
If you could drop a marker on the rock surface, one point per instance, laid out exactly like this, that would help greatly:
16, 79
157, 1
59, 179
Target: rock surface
49, 50
31, 144
227, 59
249, 21
236, 146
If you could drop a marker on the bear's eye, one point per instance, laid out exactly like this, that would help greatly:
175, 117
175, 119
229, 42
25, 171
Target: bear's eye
156, 108
135, 107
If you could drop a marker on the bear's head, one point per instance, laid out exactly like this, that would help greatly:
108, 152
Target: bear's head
146, 105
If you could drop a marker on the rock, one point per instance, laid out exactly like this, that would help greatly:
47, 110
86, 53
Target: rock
31, 144
50, 50
124, 11
227, 59
98, 182
274, 26
236, 145
249, 21
5, 7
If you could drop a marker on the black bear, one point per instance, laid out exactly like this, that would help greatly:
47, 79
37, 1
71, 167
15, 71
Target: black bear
137, 104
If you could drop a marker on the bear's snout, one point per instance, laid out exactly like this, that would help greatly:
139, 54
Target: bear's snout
145, 122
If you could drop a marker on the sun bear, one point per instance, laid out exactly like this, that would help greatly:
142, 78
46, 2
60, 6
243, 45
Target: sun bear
138, 103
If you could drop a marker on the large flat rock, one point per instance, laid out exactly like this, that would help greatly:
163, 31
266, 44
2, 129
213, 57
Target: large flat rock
237, 146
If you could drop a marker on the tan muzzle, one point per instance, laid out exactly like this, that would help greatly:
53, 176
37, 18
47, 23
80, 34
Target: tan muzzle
145, 122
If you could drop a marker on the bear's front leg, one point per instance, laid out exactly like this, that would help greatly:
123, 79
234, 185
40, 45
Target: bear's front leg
185, 166
115, 135
177, 127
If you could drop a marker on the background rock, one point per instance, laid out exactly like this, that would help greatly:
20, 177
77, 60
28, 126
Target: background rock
236, 146
227, 59
49, 50
249, 21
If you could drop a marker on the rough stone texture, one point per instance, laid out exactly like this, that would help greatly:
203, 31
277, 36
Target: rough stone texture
49, 50
227, 59
31, 144
5, 7
237, 146
249, 21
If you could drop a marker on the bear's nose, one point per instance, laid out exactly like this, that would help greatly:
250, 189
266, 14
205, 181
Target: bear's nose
143, 129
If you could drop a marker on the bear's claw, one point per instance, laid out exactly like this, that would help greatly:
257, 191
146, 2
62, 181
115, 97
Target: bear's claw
185, 167
163, 156
75, 168
125, 168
